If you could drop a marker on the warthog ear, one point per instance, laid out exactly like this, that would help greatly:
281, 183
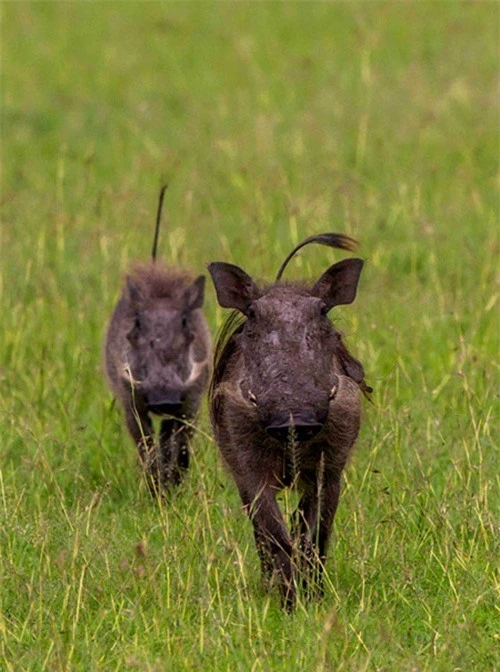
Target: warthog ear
338, 285
134, 293
194, 294
234, 287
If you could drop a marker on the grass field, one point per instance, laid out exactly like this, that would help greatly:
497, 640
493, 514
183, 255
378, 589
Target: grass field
271, 122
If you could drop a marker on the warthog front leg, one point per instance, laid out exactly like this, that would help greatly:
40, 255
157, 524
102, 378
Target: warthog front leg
312, 526
174, 445
274, 544
141, 430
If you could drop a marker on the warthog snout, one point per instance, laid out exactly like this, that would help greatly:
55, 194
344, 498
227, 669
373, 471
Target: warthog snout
294, 429
167, 403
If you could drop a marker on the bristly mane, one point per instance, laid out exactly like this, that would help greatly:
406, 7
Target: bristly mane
156, 281
224, 349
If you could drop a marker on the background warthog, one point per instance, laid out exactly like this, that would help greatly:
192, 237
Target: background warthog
285, 406
157, 354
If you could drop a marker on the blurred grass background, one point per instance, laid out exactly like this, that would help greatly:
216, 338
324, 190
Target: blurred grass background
270, 122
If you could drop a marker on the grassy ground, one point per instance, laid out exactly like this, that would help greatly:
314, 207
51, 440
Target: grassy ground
271, 122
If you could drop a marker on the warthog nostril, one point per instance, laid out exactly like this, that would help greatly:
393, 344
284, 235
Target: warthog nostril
298, 431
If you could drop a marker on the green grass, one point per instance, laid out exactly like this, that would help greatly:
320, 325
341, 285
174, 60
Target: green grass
271, 122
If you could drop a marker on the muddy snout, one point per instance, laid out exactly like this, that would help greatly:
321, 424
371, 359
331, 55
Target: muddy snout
299, 427
166, 402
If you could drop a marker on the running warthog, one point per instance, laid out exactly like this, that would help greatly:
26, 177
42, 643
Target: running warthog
157, 354
285, 406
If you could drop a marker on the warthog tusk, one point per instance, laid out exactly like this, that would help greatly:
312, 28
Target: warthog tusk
129, 376
196, 371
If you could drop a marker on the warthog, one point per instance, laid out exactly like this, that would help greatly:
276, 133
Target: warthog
285, 407
157, 353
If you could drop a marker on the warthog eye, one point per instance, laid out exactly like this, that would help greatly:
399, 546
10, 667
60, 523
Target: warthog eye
333, 393
133, 334
252, 398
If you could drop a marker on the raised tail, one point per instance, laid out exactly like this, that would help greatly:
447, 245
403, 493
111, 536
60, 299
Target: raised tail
158, 220
338, 240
